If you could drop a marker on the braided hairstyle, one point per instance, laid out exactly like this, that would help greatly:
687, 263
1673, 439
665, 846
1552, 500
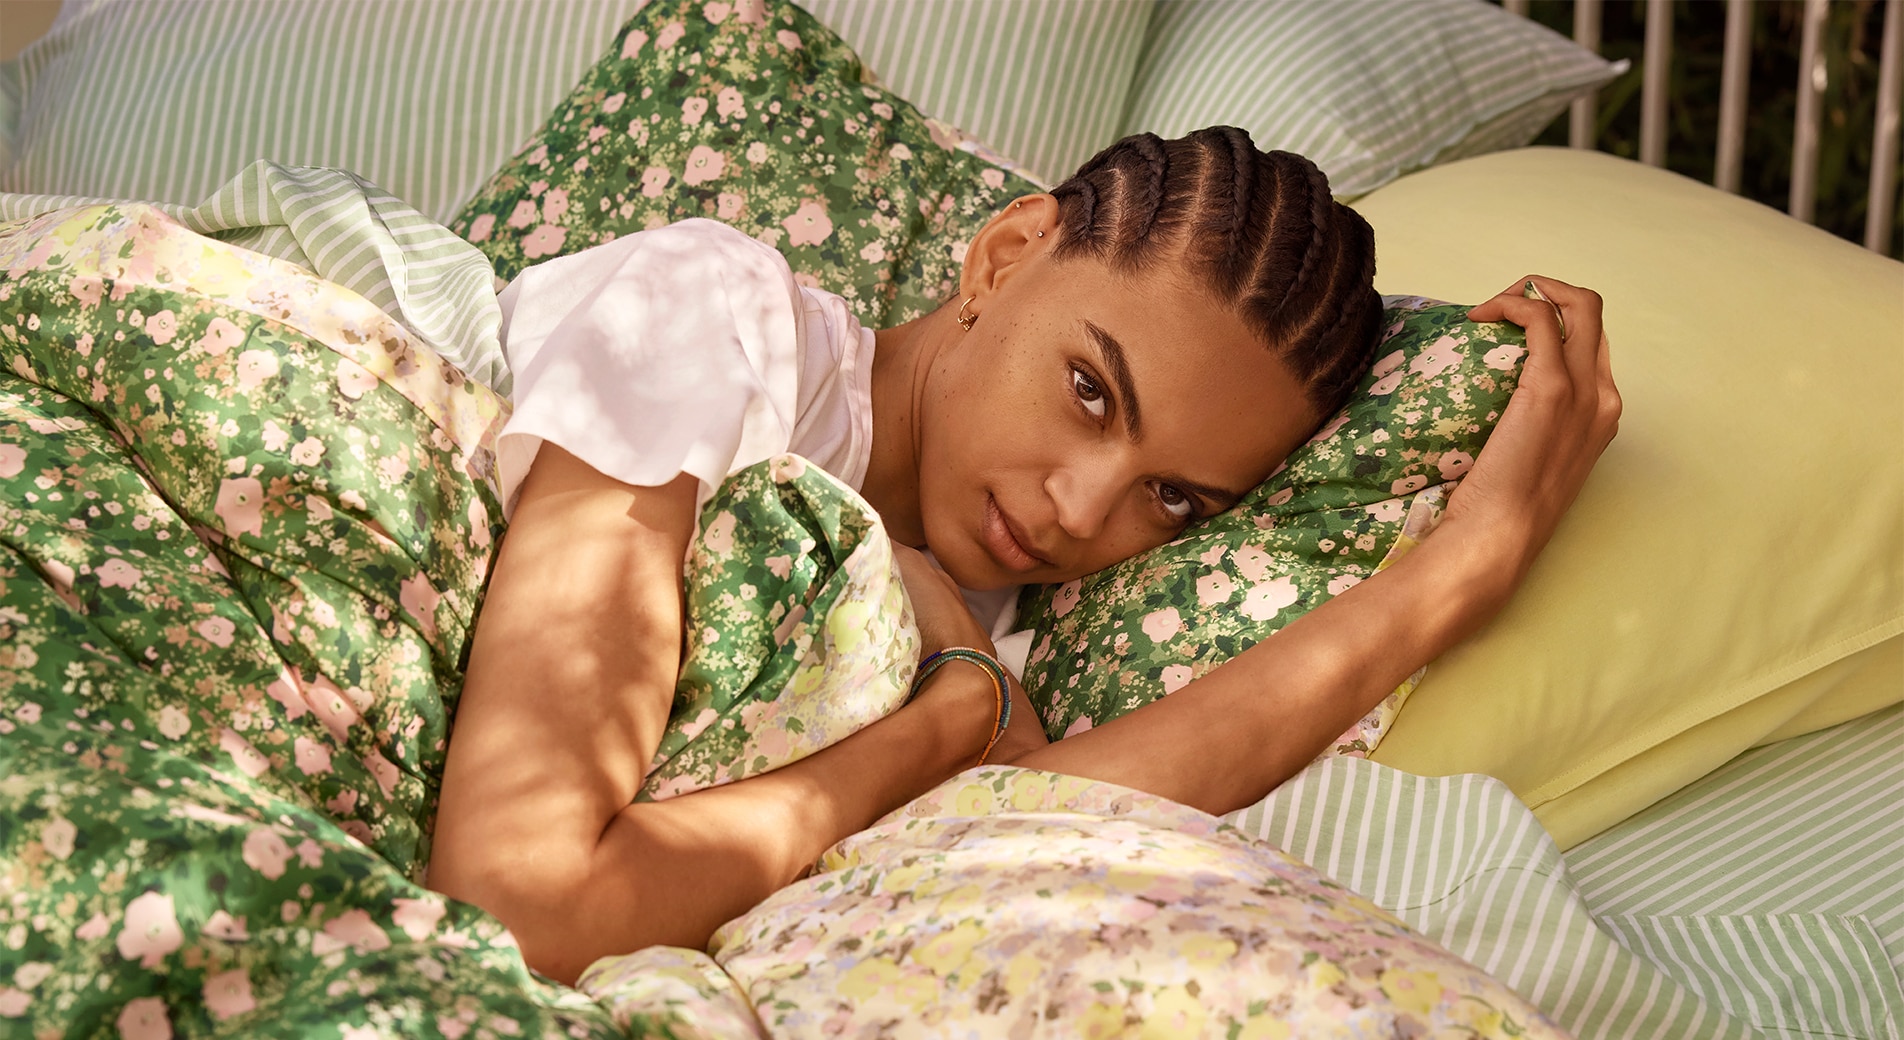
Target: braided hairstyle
1260, 229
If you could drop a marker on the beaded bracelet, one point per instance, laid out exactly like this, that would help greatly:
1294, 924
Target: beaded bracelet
1001, 686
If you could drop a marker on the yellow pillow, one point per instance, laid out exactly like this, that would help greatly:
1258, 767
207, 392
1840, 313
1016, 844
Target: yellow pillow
1733, 571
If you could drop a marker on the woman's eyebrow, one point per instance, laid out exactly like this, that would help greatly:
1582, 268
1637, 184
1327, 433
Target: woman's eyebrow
1113, 354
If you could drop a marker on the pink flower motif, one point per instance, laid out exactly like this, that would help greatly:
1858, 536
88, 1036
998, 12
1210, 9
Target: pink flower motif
57, 837
144, 1019
653, 180
1266, 600
809, 225
1503, 358
757, 152
670, 35
310, 853
256, 366
307, 452
1175, 677
151, 930
1342, 583
1386, 384
1066, 598
1329, 429
1160, 625
727, 205
1213, 589
96, 927
331, 707
249, 760
545, 240
631, 44
12, 460
228, 993
173, 722
1441, 355
385, 773
1387, 510
220, 336
719, 535
523, 215
162, 327
353, 379
312, 758
1078, 725
1408, 485
728, 104
704, 164
13, 1003
418, 917
1454, 463
693, 109
117, 573
419, 600
353, 929
221, 925
717, 12
555, 204
613, 102
265, 851
86, 290
788, 39
481, 228
780, 566
1386, 365
217, 631
1251, 562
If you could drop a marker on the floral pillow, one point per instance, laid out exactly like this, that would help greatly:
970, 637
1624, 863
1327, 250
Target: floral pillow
1350, 502
752, 113
1013, 902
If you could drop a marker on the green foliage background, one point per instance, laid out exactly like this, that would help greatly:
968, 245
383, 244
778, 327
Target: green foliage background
1853, 35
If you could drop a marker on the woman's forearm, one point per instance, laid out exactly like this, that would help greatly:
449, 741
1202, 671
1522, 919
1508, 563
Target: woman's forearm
1229, 737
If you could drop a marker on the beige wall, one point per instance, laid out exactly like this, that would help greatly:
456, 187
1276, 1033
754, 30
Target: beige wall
22, 22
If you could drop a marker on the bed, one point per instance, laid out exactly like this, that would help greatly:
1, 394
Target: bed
1655, 798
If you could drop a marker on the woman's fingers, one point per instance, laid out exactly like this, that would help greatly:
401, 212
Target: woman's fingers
1564, 317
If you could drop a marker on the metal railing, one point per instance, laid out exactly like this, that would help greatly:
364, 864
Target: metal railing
1880, 212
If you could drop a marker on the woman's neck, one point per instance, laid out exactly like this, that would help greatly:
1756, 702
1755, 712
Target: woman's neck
902, 359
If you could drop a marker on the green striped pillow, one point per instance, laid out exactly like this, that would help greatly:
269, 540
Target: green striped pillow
1042, 81
166, 100
1368, 90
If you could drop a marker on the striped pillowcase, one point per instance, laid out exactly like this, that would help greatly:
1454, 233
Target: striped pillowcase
166, 100
1369, 90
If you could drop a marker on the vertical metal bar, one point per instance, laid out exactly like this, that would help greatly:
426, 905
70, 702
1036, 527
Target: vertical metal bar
1811, 100
1732, 94
1881, 210
1654, 81
1586, 111
1518, 7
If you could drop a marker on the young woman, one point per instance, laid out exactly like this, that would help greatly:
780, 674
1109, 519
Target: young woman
1127, 354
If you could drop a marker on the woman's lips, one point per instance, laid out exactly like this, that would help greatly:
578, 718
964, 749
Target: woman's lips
1005, 546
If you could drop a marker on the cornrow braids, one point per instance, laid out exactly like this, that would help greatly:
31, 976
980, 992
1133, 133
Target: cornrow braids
1260, 229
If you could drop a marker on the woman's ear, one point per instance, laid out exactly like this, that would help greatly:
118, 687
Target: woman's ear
1022, 232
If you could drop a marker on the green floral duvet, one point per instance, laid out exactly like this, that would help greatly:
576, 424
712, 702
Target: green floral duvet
245, 520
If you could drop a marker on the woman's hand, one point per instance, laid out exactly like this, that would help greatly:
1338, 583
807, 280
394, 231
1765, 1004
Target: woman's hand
1560, 419
938, 605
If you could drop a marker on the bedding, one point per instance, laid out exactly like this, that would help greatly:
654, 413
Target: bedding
1731, 566
1363, 491
755, 115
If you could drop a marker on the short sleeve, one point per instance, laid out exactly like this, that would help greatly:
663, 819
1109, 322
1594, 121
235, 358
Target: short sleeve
670, 351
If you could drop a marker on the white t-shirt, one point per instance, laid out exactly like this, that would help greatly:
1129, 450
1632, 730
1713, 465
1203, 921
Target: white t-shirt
691, 349
686, 349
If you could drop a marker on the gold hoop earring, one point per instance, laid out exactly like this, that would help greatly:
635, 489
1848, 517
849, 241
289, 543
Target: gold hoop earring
966, 321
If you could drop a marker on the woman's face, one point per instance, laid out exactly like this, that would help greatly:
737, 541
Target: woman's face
1089, 416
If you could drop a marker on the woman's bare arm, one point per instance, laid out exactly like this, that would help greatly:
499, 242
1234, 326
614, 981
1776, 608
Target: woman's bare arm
1228, 738
570, 681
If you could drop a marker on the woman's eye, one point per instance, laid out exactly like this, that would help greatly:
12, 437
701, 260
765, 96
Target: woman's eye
1091, 394
1176, 503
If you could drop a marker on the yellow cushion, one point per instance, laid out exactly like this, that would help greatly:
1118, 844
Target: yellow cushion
1743, 532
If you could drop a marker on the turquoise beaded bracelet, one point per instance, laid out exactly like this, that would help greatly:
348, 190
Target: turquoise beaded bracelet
1001, 686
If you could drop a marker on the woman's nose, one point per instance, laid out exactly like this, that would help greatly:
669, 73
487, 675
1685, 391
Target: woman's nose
1085, 496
